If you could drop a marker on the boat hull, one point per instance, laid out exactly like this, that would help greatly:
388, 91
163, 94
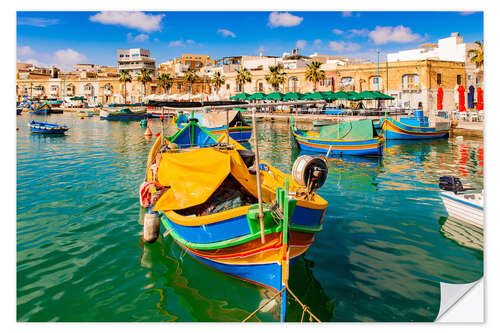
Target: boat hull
238, 133
339, 147
396, 130
228, 243
462, 209
47, 128
105, 115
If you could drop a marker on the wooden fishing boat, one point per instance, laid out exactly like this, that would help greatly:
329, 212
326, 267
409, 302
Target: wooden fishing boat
215, 123
123, 114
205, 189
47, 128
411, 128
346, 138
86, 113
42, 109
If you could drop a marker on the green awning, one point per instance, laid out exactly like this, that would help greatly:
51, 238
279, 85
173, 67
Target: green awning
257, 96
381, 95
353, 96
240, 96
293, 96
275, 96
368, 95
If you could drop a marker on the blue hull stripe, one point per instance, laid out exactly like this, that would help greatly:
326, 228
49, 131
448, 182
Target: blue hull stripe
213, 232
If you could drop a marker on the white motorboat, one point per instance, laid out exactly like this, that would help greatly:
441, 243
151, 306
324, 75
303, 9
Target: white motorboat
462, 204
467, 207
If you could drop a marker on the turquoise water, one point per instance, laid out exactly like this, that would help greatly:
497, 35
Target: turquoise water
385, 246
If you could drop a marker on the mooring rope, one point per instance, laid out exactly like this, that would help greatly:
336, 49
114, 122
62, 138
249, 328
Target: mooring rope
265, 303
305, 308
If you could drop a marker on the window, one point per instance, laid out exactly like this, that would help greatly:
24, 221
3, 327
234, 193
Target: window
439, 78
228, 86
328, 82
410, 81
477, 80
459, 79
179, 86
261, 87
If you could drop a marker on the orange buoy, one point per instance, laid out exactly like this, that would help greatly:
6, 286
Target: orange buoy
148, 133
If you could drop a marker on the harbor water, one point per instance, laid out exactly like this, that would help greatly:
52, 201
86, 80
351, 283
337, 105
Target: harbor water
385, 246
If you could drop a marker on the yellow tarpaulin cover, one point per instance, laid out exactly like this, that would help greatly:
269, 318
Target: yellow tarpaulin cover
192, 177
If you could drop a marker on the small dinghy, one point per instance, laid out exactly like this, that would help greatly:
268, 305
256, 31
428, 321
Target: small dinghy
46, 128
461, 204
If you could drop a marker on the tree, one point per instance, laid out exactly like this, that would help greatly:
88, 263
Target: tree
124, 78
144, 77
275, 77
217, 80
243, 77
314, 73
165, 81
190, 77
477, 55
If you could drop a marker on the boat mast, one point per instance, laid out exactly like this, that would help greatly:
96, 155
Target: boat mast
257, 173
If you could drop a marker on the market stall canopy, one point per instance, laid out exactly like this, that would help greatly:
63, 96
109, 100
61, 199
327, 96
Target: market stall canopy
293, 96
353, 96
382, 96
276, 96
240, 97
342, 95
368, 95
440, 98
257, 96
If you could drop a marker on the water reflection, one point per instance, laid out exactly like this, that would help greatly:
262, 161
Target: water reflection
462, 233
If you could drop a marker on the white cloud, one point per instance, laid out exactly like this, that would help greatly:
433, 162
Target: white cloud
176, 43
156, 40
283, 20
358, 32
63, 59
260, 49
36, 21
135, 20
317, 42
301, 44
190, 41
350, 14
24, 51
137, 39
226, 33
399, 34
467, 13
337, 31
343, 46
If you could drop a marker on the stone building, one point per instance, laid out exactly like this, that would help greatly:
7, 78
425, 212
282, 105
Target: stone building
411, 83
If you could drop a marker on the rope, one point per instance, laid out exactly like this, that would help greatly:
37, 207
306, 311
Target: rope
263, 305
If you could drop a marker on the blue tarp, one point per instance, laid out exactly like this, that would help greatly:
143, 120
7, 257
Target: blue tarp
334, 111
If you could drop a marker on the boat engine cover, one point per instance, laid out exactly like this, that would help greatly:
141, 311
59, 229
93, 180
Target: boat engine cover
450, 183
307, 169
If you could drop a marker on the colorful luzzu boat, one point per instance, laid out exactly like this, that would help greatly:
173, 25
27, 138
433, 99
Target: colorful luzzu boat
346, 138
123, 114
46, 128
412, 128
205, 192
42, 109
215, 123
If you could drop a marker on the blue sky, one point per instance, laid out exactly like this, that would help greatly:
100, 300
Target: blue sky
65, 38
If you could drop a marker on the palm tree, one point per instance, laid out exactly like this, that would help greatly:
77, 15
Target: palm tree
144, 77
275, 77
124, 78
314, 74
166, 82
243, 77
477, 55
217, 80
190, 77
